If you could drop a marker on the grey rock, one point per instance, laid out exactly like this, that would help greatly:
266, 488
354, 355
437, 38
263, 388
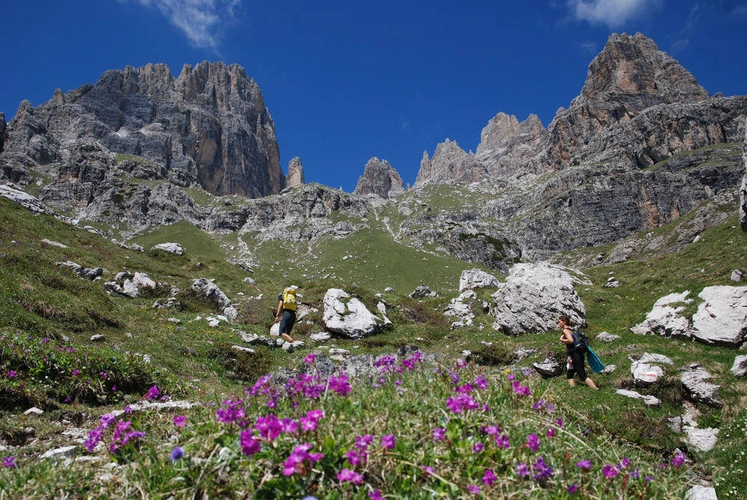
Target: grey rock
607, 337
243, 349
34, 411
549, 368
739, 368
476, 278
348, 316
695, 381
721, 318
320, 337
665, 317
647, 369
97, 338
174, 248
701, 492
648, 400
62, 452
422, 291
737, 275
381, 179
213, 293
533, 297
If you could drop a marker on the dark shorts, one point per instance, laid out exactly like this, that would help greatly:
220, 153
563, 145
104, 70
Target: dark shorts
578, 366
286, 324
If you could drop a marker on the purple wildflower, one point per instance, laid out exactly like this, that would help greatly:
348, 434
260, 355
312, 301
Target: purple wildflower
609, 471
249, 445
12, 374
542, 471
152, 393
375, 495
340, 385
230, 411
428, 470
474, 489
9, 462
478, 447
180, 420
522, 469
481, 382
309, 360
439, 434
533, 442
362, 442
176, 453
298, 457
573, 489
521, 390
584, 465
488, 477
678, 459
388, 441
355, 458
349, 476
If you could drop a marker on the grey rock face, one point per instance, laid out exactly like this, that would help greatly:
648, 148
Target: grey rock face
450, 163
208, 127
739, 368
743, 189
695, 381
533, 297
381, 179
476, 278
665, 317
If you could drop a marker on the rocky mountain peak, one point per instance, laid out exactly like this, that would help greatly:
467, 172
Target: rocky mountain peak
450, 163
381, 179
505, 143
209, 127
295, 175
632, 74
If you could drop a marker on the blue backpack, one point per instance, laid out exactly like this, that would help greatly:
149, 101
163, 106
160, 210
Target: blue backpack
580, 341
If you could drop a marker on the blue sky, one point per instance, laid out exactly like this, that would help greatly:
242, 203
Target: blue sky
346, 81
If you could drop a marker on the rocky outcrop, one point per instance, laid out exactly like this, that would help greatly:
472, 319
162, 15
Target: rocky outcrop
348, 316
506, 143
209, 127
533, 297
381, 179
450, 163
295, 175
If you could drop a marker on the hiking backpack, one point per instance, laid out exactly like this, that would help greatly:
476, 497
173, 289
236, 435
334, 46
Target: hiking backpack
580, 341
289, 299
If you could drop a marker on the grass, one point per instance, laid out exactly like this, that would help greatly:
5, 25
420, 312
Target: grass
48, 316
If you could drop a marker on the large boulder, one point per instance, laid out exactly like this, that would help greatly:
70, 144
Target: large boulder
533, 297
348, 316
698, 388
722, 316
647, 369
664, 318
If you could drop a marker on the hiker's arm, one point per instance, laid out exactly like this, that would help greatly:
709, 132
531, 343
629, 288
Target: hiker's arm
277, 313
566, 338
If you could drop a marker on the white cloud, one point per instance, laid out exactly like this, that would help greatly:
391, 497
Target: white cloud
613, 13
201, 21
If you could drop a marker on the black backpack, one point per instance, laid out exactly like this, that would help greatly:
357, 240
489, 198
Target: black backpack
580, 341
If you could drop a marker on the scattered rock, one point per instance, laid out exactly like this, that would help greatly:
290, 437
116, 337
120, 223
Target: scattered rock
737, 275
607, 337
174, 248
648, 400
97, 338
476, 278
739, 368
422, 292
695, 380
348, 316
549, 368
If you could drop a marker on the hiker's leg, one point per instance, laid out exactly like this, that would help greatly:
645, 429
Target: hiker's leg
286, 324
571, 382
591, 383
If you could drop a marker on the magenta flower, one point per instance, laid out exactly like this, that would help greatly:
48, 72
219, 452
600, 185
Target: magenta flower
180, 420
678, 459
388, 441
439, 434
542, 471
355, 457
375, 495
522, 469
481, 382
478, 447
362, 442
152, 393
573, 489
12, 374
340, 385
268, 427
231, 411
349, 476
298, 457
609, 471
9, 462
309, 360
288, 426
550, 432
584, 465
428, 470
521, 390
533, 442
249, 445
488, 477
474, 489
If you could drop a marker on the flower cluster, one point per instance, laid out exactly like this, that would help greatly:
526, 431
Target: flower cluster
122, 433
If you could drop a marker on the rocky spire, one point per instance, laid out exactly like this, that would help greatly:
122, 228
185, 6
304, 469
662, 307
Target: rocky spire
295, 176
379, 178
